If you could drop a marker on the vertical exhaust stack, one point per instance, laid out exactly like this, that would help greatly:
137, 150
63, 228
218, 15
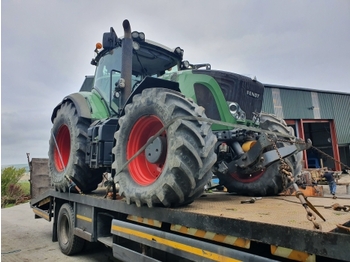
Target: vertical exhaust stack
126, 70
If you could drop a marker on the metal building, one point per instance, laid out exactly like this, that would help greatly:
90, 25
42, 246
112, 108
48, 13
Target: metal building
322, 116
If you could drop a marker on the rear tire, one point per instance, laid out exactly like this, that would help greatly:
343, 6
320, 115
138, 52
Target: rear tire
70, 132
69, 243
173, 172
269, 181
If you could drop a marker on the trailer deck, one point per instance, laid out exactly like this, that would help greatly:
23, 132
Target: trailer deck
282, 211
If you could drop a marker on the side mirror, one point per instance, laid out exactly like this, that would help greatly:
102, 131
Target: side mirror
110, 40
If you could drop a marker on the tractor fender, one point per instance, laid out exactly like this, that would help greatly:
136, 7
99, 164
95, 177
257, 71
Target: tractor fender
151, 82
80, 103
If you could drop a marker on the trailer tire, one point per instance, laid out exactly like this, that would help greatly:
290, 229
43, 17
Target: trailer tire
179, 172
69, 243
269, 181
70, 134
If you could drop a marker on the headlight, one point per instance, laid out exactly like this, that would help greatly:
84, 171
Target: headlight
138, 36
135, 34
236, 111
233, 108
135, 45
142, 36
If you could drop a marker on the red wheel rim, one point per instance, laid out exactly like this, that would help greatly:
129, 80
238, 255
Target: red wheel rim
63, 143
143, 172
248, 178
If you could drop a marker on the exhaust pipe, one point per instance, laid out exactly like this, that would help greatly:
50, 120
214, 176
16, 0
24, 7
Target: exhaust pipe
126, 70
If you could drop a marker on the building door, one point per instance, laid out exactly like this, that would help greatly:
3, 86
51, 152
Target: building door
323, 136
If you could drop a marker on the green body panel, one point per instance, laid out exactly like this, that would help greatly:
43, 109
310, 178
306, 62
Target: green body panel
99, 109
187, 80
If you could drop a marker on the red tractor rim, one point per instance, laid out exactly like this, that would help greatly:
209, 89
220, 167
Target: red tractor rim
141, 170
63, 144
248, 178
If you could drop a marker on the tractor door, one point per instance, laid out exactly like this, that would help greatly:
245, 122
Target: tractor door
107, 75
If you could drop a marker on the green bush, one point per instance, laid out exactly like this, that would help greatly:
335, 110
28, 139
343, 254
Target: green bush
25, 185
11, 192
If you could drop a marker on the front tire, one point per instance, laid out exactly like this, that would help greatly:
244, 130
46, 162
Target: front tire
175, 168
268, 181
69, 243
67, 150
273, 123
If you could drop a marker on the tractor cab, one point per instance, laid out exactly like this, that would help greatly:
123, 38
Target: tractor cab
149, 59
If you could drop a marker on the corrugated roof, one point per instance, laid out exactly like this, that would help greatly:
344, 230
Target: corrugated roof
305, 89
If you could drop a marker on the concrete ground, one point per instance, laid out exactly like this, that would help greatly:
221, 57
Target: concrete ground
26, 239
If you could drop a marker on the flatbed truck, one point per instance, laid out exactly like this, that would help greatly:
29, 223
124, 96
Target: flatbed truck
216, 227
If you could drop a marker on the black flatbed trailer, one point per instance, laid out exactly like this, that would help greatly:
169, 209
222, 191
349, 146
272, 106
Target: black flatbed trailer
215, 227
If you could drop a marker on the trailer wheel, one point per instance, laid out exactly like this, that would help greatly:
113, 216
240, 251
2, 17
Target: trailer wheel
70, 244
69, 131
174, 169
269, 180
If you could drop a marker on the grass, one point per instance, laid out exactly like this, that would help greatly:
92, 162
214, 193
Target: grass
25, 186
20, 194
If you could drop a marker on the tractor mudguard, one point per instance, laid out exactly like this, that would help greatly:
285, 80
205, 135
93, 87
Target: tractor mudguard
88, 105
151, 82
80, 104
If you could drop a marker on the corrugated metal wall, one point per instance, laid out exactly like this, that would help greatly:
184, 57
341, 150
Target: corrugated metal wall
267, 105
326, 108
296, 104
341, 109
304, 104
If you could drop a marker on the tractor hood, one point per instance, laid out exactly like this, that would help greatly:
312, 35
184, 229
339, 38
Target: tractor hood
247, 92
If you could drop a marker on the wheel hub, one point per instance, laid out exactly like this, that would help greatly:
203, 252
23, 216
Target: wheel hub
146, 167
155, 151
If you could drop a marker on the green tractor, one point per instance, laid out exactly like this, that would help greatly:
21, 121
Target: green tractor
162, 127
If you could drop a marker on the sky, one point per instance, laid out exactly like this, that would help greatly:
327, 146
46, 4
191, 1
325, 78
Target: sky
47, 46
